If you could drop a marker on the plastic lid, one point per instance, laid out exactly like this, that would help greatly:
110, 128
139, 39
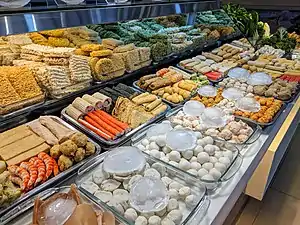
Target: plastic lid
14, 3
148, 194
232, 93
124, 161
181, 140
213, 117
159, 129
193, 108
260, 78
58, 211
248, 104
239, 73
207, 91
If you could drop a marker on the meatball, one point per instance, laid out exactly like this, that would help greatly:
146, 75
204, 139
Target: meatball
79, 155
79, 139
55, 152
68, 148
89, 149
64, 163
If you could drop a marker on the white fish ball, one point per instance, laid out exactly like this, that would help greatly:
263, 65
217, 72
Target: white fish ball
187, 154
195, 166
155, 153
220, 167
184, 164
215, 173
153, 145
198, 149
203, 157
193, 159
208, 140
172, 204
225, 161
141, 147
202, 172
174, 156
208, 166
145, 142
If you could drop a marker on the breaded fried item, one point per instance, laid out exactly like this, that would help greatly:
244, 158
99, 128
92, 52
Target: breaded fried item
104, 66
8, 94
101, 53
79, 51
91, 47
59, 42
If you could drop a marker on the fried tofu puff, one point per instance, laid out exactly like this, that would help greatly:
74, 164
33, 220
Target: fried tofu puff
68, 148
79, 139
55, 151
79, 155
64, 163
90, 149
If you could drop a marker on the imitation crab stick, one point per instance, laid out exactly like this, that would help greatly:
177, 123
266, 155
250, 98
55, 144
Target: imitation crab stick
112, 119
121, 130
104, 125
101, 133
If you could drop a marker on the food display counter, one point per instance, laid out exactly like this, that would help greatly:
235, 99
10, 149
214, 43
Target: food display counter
143, 95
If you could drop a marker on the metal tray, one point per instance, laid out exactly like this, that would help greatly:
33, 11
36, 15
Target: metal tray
190, 71
265, 124
257, 130
164, 100
211, 185
199, 190
119, 140
23, 110
49, 183
22, 214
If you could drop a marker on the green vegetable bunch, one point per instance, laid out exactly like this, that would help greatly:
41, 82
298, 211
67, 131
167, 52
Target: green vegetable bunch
280, 39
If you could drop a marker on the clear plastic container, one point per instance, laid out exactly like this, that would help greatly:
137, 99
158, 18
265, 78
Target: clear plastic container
22, 214
193, 108
259, 78
148, 195
181, 140
239, 73
214, 117
232, 93
207, 91
120, 205
248, 104
14, 3
124, 160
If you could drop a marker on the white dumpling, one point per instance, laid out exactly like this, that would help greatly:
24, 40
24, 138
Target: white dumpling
191, 201
141, 220
160, 168
99, 175
198, 149
175, 215
198, 134
161, 140
145, 142
218, 154
172, 204
117, 206
167, 221
104, 196
187, 154
203, 157
202, 172
193, 159
166, 149
215, 173
213, 159
208, 140
184, 191
154, 220
210, 149
141, 147
195, 166
228, 154
147, 215
165, 159
166, 181
184, 164
174, 156
130, 214
201, 142
225, 161
220, 167
175, 185
208, 177
153, 145
152, 173
155, 153
173, 193
90, 187
121, 195
110, 185
208, 166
